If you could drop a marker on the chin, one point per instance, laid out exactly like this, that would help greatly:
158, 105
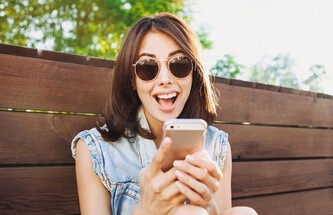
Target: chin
164, 117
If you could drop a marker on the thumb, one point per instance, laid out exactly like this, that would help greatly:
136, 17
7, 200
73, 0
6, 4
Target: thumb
158, 158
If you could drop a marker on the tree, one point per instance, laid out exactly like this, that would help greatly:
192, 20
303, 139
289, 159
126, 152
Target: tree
92, 28
278, 70
313, 81
227, 67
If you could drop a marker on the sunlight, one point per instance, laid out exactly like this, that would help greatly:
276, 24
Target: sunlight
250, 30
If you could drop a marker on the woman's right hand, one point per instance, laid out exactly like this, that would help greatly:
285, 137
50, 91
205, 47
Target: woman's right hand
158, 192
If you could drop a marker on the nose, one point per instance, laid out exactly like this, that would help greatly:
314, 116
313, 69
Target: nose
165, 77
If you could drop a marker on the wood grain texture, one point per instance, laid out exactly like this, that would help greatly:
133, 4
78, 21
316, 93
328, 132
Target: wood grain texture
33, 83
38, 190
243, 104
28, 138
268, 142
48, 138
269, 177
305, 202
82, 88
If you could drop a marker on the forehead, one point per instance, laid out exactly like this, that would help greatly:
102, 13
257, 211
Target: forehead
158, 44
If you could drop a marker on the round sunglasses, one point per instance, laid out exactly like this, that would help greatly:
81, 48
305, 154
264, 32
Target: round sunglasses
148, 69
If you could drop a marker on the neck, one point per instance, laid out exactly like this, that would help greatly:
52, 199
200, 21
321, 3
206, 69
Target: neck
156, 128
157, 131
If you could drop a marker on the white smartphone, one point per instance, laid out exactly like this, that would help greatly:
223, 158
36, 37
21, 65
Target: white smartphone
187, 135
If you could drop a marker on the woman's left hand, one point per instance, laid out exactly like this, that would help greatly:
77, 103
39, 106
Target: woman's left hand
198, 178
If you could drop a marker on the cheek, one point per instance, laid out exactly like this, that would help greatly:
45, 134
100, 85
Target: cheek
143, 89
186, 86
139, 86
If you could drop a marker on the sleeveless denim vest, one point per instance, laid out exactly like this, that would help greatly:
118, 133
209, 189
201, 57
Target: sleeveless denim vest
117, 164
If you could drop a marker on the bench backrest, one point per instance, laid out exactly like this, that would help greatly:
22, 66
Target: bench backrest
281, 138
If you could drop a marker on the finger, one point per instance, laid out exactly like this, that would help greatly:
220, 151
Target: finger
202, 153
172, 191
198, 173
194, 197
162, 181
200, 188
179, 199
158, 158
207, 164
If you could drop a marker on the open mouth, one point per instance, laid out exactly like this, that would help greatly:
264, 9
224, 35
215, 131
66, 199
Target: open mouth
166, 100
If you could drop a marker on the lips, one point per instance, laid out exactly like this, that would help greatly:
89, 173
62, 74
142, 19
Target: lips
166, 101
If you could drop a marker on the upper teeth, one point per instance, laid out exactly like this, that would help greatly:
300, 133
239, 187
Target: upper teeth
167, 96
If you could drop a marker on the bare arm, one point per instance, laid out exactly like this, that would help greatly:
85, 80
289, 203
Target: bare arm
94, 198
223, 195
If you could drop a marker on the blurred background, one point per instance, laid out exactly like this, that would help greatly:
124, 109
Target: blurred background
286, 43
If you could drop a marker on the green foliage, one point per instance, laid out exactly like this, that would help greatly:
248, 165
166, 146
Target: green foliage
92, 28
313, 81
227, 67
203, 35
96, 28
280, 71
276, 70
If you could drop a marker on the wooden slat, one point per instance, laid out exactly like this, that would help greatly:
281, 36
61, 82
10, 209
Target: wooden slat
37, 134
266, 142
18, 50
38, 190
50, 85
55, 56
268, 177
28, 138
65, 86
305, 203
243, 104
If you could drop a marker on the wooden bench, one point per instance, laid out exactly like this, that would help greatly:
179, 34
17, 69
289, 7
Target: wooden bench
281, 138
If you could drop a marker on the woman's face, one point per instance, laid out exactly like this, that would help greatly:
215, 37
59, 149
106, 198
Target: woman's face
164, 97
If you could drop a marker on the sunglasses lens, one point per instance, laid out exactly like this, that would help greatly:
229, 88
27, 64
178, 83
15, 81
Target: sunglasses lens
146, 69
181, 66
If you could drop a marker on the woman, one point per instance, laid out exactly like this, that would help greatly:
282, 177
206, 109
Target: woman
158, 76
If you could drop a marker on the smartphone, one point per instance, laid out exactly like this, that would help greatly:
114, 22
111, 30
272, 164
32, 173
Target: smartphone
187, 135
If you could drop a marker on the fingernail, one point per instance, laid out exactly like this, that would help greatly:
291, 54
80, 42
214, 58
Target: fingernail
203, 153
166, 141
189, 157
176, 164
177, 173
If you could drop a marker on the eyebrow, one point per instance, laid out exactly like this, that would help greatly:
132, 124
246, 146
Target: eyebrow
169, 55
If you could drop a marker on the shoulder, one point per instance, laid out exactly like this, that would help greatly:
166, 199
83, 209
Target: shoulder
91, 138
217, 145
109, 158
91, 145
216, 134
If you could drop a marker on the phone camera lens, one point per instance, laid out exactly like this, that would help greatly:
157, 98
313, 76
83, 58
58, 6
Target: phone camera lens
171, 126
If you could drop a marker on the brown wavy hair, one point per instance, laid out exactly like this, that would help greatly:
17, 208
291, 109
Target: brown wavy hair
123, 103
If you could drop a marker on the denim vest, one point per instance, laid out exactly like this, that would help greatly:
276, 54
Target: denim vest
117, 164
